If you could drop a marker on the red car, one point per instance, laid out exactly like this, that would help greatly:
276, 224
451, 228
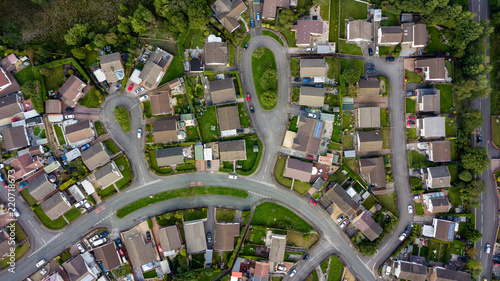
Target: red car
309, 157
159, 248
130, 87
411, 122
411, 118
313, 202
121, 252
248, 97
15, 119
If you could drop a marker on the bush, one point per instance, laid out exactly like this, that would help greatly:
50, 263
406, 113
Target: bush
415, 182
122, 116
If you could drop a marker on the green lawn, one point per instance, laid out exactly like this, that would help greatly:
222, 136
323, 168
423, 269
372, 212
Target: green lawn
183, 192
208, 125
246, 39
123, 164
25, 75
55, 79
57, 224
411, 133
454, 150
455, 196
294, 65
195, 214
154, 164
251, 156
273, 215
386, 138
20, 235
91, 58
289, 36
122, 116
18, 253
388, 201
334, 21
278, 172
29, 199
351, 49
345, 63
150, 274
336, 269
147, 109
111, 146
369, 202
99, 128
384, 117
225, 215
333, 68
348, 9
60, 134
450, 126
272, 35
417, 160
347, 141
454, 170
194, 39
72, 214
259, 65
413, 77
232, 55
495, 123
434, 45
107, 192
446, 97
244, 118
410, 105
192, 133
91, 99
175, 70
419, 209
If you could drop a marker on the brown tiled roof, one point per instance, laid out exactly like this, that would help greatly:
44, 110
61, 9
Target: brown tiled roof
440, 205
40, 187
440, 151
444, 230
312, 67
55, 206
305, 140
108, 255
174, 83
169, 238
436, 67
215, 53
391, 34
108, 174
9, 106
222, 91
110, 64
232, 150
373, 169
338, 196
78, 270
368, 88
439, 176
139, 252
8, 83
224, 236
304, 28
298, 170
359, 30
95, 156
407, 32
24, 165
14, 138
261, 271
169, 156
368, 117
35, 150
312, 96
228, 118
227, 11
165, 131
411, 271
441, 274
430, 103
194, 232
369, 140
270, 6
367, 226
72, 90
420, 35
160, 104
79, 131
52, 106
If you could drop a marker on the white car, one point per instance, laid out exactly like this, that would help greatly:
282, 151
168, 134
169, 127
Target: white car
95, 237
2, 166
388, 270
80, 248
16, 213
40, 263
139, 133
293, 272
487, 250
143, 98
343, 224
311, 115
410, 209
233, 176
139, 90
43, 271
402, 237
376, 50
69, 116
340, 218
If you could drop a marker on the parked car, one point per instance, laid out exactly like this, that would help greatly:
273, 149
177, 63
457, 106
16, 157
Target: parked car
293, 272
343, 224
43, 271
370, 65
252, 110
479, 139
15, 119
232, 176
143, 98
411, 118
402, 237
240, 131
410, 209
148, 235
313, 202
16, 213
376, 50
309, 49
306, 257
40, 263
140, 90
370, 52
130, 87
118, 86
245, 47
409, 94
80, 248
93, 238
248, 97
85, 147
371, 71
139, 133
318, 85
309, 157
106, 85
22, 185
297, 79
307, 80
416, 197
388, 270
159, 248
410, 123
389, 58
119, 242
340, 218
257, 16
121, 252
312, 115
99, 242
70, 109
104, 234
69, 116
487, 250
209, 164
209, 237
252, 23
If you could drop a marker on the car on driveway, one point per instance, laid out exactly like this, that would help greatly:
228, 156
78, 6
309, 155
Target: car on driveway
309, 157
85, 147
70, 109
297, 79
409, 94
140, 90
80, 248
410, 123
313, 202
209, 237
15, 119
376, 50
479, 139
143, 98
43, 272
118, 86
257, 16
410, 209
307, 79
245, 47
388, 270
389, 58
121, 252
252, 110
370, 52
106, 85
371, 70
69, 116
340, 218
130, 87
148, 235
370, 65
411, 118
343, 224
252, 23
248, 97
312, 115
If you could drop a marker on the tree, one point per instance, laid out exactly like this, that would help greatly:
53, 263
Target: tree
77, 34
29, 88
141, 20
367, 247
352, 90
268, 79
111, 38
100, 40
124, 25
259, 52
351, 74
254, 137
79, 53
471, 191
198, 14
475, 267
465, 175
269, 98
464, 89
285, 19
466, 30
473, 235
416, 183
471, 119
475, 159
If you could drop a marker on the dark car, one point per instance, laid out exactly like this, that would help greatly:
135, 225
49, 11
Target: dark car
318, 85
104, 234
479, 139
245, 47
370, 65
252, 109
240, 131
85, 147
208, 164
252, 23
370, 52
69, 109
209, 237
307, 80
106, 85
306, 257
389, 58
371, 71
119, 242
297, 79
148, 235
409, 94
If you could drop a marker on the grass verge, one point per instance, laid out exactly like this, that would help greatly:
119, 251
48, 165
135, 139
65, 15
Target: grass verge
122, 116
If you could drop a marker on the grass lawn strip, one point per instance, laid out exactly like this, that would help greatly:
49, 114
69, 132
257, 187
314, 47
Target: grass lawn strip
334, 21
60, 134
348, 9
163, 171
289, 36
56, 224
224, 215
336, 269
410, 105
272, 35
29, 199
175, 70
123, 164
446, 98
122, 116
244, 118
259, 65
351, 49
434, 45
91, 99
72, 214
388, 201
99, 128
276, 216
495, 124
450, 126
111, 146
208, 125
195, 214
278, 172
18, 253
183, 192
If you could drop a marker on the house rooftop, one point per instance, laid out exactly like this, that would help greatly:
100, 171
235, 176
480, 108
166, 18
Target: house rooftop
298, 170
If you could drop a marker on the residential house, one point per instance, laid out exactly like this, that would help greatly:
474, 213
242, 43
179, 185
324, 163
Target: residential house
72, 90
369, 141
315, 68
420, 36
175, 85
196, 66
304, 29
95, 156
165, 131
108, 256
438, 273
56, 205
389, 35
432, 127
170, 240
261, 272
439, 151
40, 187
78, 269
54, 276
358, 31
169, 156
8, 84
4, 243
410, 271
365, 223
441, 230
270, 7
160, 104
14, 138
77, 194
437, 177
10, 107
368, 117
373, 171
112, 66
229, 120
309, 134
312, 96
298, 170
80, 133
224, 235
215, 54
232, 150
194, 233
434, 69
428, 100
24, 166
36, 150
222, 91
277, 250
436, 202
228, 12
369, 88
140, 251
155, 67
108, 175
407, 29
53, 106
339, 196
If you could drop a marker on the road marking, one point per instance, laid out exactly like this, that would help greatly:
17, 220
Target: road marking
258, 194
105, 218
51, 239
262, 182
